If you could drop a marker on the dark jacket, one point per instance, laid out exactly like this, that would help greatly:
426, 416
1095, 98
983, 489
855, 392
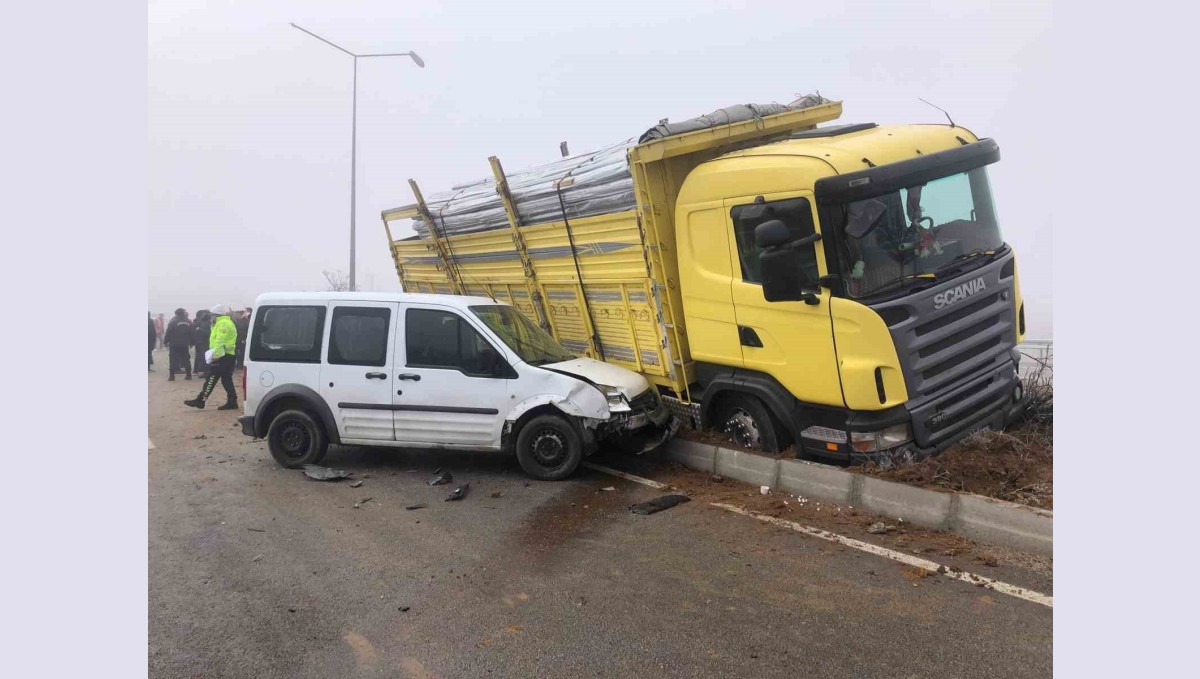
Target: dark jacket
200, 332
153, 334
178, 334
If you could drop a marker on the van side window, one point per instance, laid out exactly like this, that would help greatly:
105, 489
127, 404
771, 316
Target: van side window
358, 335
794, 212
287, 334
440, 339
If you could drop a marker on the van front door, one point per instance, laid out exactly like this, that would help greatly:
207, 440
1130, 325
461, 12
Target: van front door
451, 384
356, 376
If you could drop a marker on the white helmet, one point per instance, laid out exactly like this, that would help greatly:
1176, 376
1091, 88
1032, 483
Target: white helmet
219, 310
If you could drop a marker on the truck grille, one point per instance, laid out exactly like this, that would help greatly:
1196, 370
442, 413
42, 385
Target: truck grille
941, 351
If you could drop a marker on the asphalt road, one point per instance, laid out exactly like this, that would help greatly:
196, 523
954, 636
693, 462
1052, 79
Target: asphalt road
257, 571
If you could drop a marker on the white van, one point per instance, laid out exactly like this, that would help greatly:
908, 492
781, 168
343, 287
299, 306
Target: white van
433, 371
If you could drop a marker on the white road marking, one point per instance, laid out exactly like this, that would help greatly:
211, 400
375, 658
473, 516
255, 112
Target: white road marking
924, 564
627, 477
151, 445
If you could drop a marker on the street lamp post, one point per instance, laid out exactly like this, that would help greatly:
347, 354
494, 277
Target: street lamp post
354, 128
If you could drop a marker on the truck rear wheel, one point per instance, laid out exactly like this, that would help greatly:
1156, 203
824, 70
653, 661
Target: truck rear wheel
549, 448
749, 423
296, 439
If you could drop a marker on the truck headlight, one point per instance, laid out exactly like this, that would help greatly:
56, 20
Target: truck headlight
872, 441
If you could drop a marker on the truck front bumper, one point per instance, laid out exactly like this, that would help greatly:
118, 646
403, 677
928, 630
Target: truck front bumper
988, 401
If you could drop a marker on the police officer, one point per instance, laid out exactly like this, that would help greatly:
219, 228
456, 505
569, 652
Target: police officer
178, 338
222, 341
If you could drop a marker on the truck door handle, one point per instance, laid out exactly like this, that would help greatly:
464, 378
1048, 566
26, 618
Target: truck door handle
376, 376
409, 376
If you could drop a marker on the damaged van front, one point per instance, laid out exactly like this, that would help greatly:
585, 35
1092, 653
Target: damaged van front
633, 416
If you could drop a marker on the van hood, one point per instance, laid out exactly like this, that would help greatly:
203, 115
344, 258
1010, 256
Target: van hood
598, 372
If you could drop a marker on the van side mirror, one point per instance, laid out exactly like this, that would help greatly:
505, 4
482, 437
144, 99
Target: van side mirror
784, 276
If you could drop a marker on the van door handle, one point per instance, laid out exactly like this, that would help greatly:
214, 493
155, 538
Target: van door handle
376, 376
409, 376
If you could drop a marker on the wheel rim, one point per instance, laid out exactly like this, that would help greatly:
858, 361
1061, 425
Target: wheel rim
549, 447
294, 439
744, 429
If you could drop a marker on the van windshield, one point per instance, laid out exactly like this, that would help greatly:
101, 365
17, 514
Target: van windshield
920, 233
534, 345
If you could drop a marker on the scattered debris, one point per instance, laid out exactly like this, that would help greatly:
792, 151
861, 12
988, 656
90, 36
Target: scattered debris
198, 437
255, 559
404, 609
765, 490
356, 484
716, 478
360, 503
316, 471
497, 493
291, 610
257, 530
416, 506
658, 504
458, 493
440, 477
878, 528
608, 489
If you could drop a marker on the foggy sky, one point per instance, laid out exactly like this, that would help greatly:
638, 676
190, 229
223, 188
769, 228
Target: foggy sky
249, 133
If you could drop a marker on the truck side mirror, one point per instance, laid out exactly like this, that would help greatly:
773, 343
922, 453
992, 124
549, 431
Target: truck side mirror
784, 276
771, 233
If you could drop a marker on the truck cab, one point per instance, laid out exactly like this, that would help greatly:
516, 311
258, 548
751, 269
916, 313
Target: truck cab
848, 290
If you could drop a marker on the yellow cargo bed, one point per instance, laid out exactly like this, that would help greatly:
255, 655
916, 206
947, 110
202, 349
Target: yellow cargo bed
604, 286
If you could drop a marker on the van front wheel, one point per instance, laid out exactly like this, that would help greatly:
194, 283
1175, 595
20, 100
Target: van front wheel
296, 439
549, 448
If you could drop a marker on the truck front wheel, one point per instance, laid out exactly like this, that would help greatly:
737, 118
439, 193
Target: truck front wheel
549, 448
749, 423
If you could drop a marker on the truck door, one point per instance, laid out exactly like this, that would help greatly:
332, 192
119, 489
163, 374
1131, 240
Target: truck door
356, 377
791, 341
448, 390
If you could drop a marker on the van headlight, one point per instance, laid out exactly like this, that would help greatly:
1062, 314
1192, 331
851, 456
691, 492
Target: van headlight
616, 399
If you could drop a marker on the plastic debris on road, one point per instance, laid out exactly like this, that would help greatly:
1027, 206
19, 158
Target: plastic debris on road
658, 504
360, 503
440, 476
765, 490
356, 484
458, 493
416, 506
316, 471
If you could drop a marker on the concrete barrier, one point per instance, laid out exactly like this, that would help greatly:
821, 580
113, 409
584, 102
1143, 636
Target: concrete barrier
974, 516
759, 470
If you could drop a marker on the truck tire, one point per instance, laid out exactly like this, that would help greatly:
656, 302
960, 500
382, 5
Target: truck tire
296, 439
549, 448
748, 421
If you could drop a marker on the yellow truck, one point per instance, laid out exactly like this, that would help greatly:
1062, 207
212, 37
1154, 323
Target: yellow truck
842, 288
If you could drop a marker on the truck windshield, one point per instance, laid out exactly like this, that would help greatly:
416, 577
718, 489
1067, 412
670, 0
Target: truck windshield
534, 345
920, 233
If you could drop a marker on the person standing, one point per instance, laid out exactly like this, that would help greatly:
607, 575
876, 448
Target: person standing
223, 344
200, 331
243, 331
178, 339
159, 329
153, 338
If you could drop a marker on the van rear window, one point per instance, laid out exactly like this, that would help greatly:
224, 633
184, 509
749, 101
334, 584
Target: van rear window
287, 334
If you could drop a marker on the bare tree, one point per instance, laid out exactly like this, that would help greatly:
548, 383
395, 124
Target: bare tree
337, 281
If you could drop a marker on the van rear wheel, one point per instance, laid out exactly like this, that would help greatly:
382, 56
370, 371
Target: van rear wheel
749, 423
549, 448
296, 439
